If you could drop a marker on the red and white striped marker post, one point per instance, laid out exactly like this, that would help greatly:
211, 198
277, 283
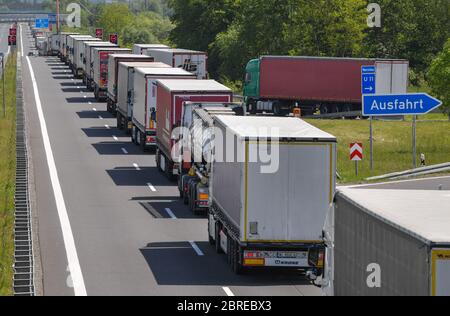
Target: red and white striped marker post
356, 154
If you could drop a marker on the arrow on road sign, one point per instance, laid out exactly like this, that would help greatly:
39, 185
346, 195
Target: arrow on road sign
399, 104
356, 151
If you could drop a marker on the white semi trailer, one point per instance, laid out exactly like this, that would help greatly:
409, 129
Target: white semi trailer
145, 105
125, 91
389, 243
193, 61
140, 49
271, 186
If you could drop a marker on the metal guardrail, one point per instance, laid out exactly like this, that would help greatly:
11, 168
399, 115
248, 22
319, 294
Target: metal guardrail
23, 282
413, 172
339, 115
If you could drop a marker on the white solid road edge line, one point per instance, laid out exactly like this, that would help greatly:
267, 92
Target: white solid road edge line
196, 249
69, 243
228, 291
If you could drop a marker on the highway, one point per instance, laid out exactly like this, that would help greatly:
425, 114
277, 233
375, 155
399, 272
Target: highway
115, 216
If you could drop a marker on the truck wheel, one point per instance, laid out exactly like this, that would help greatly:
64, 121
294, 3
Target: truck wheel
229, 250
157, 160
277, 109
119, 122
142, 139
218, 229
211, 240
235, 263
132, 134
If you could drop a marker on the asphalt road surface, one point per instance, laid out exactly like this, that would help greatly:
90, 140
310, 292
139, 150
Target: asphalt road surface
131, 234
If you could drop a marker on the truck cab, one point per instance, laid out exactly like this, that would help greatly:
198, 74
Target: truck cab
251, 80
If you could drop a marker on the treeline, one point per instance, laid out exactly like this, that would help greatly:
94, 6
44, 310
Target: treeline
235, 31
140, 21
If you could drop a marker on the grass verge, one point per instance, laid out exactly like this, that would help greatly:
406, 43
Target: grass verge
392, 145
7, 175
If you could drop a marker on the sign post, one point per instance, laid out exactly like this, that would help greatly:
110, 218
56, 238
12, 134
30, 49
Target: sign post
401, 104
369, 86
2, 56
356, 154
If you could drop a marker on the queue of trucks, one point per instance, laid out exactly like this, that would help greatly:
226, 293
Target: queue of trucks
265, 179
159, 95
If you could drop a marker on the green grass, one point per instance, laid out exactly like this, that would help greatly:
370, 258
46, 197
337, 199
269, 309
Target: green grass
392, 145
7, 176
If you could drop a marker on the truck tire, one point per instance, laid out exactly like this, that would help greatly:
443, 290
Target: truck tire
119, 122
142, 139
158, 160
236, 265
277, 111
218, 229
211, 240
229, 251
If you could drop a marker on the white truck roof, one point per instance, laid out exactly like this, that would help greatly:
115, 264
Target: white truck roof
419, 213
193, 85
115, 49
151, 45
163, 71
144, 64
128, 56
181, 51
287, 127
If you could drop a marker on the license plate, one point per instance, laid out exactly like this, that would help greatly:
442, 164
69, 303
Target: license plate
292, 255
286, 262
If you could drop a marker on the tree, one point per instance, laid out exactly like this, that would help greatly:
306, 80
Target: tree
439, 77
147, 27
114, 18
414, 30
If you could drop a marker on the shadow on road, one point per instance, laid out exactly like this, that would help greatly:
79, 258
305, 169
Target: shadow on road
115, 148
93, 114
81, 100
131, 177
157, 205
75, 90
176, 263
101, 132
62, 77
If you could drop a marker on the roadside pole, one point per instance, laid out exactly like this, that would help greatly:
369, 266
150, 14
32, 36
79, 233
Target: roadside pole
3, 83
57, 16
414, 141
371, 143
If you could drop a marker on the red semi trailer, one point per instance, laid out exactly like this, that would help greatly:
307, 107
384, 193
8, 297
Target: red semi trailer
277, 84
171, 95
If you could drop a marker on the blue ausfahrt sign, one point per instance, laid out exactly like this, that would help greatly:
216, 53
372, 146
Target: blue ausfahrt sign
42, 23
401, 104
369, 79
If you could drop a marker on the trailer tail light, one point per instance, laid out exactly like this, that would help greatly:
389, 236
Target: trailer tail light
316, 257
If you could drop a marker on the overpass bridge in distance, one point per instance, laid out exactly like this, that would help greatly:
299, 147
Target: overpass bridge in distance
26, 16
